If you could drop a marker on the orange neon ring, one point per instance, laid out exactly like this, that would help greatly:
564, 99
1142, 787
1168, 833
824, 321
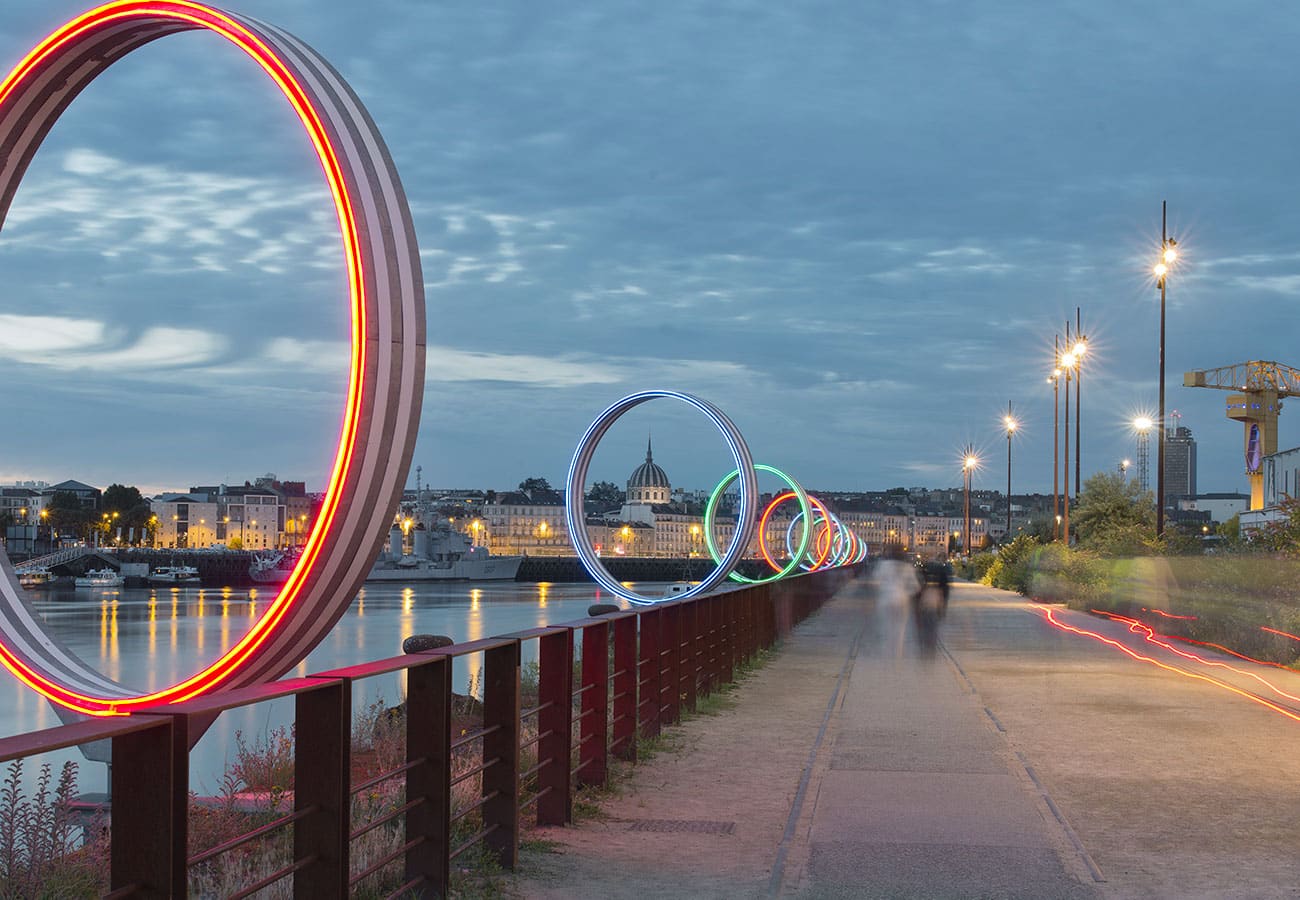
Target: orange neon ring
762, 527
825, 532
386, 377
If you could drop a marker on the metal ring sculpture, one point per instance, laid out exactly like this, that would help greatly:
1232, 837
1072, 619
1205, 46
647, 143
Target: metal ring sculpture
762, 531
575, 509
710, 509
386, 380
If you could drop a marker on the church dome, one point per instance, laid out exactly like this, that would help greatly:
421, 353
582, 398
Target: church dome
648, 482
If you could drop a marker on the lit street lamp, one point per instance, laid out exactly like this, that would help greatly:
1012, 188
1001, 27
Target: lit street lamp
1055, 380
1078, 351
1168, 254
1067, 364
1011, 429
967, 468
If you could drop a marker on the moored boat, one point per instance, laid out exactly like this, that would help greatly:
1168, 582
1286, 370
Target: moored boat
34, 576
173, 575
272, 568
440, 554
100, 578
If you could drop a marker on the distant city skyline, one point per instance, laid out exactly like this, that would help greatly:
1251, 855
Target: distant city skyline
854, 229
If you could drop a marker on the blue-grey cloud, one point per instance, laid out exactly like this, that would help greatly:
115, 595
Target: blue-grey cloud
856, 227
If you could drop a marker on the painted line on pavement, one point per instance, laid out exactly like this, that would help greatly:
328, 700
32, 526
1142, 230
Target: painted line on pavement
796, 808
1092, 867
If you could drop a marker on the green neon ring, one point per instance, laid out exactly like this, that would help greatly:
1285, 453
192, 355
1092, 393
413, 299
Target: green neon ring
710, 509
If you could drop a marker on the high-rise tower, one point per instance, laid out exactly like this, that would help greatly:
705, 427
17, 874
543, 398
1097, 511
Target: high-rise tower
1180, 464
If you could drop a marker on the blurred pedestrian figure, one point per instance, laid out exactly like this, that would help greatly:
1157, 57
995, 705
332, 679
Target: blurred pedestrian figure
930, 602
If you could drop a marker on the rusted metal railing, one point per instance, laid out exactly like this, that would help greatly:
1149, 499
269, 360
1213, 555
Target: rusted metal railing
637, 670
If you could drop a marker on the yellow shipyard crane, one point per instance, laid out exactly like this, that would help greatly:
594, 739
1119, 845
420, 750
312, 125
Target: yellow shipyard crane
1260, 387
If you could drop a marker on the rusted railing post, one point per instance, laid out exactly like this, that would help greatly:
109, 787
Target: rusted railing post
767, 609
724, 614
717, 642
622, 741
501, 752
745, 607
706, 674
649, 631
593, 747
428, 751
322, 780
670, 677
693, 640
555, 727
149, 836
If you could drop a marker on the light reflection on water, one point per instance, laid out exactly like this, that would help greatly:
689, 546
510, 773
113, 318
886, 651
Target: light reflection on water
117, 629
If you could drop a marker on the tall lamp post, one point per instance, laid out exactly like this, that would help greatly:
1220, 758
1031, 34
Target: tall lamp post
1055, 380
1168, 254
1079, 349
1011, 429
1067, 366
967, 468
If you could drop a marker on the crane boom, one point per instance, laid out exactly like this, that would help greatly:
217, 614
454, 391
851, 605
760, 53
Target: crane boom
1256, 375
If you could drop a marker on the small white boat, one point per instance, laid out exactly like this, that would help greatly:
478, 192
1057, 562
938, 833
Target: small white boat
100, 578
177, 575
272, 568
35, 576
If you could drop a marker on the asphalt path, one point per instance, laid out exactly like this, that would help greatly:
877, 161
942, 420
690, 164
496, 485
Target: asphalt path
1031, 752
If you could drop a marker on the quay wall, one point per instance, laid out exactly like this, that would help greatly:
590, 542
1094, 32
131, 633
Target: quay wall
219, 568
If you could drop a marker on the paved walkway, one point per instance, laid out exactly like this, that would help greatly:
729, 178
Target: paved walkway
855, 764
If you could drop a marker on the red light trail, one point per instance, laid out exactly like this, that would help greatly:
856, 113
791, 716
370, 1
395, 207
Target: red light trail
1051, 617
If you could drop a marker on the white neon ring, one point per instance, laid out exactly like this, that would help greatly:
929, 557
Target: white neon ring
575, 501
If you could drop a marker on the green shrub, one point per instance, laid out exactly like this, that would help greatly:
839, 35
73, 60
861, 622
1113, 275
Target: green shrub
1012, 570
978, 566
1078, 578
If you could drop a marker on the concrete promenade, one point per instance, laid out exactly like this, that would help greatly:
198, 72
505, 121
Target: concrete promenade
1015, 760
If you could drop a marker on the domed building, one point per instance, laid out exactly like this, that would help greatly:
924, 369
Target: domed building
650, 524
647, 488
649, 483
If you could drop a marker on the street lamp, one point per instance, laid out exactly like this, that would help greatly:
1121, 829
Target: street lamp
1168, 254
695, 539
1078, 350
1067, 364
967, 467
1011, 424
1055, 381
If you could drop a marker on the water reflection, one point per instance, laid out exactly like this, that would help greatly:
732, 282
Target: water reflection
117, 631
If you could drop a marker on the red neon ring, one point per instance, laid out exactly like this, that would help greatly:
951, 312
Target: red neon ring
386, 378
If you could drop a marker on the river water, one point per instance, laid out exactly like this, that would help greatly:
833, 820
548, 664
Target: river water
149, 638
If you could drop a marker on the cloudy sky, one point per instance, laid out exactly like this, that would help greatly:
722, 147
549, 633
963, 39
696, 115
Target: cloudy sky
854, 226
